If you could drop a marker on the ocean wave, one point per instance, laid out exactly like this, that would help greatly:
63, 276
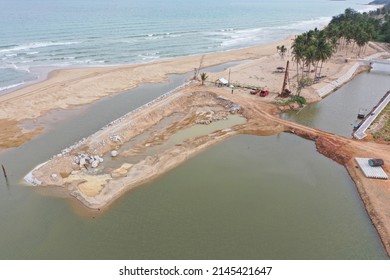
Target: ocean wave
7, 46
226, 30
149, 56
305, 25
36, 45
243, 37
24, 68
11, 86
252, 36
164, 34
157, 36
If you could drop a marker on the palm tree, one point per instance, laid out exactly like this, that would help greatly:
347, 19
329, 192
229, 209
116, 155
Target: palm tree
298, 50
361, 40
315, 46
324, 51
203, 77
310, 57
282, 51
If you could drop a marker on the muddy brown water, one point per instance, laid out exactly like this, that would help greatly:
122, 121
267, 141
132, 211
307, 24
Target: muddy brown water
247, 198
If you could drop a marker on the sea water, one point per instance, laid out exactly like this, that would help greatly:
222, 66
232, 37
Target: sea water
37, 36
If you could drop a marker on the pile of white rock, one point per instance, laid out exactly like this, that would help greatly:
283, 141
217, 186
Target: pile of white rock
85, 160
116, 138
234, 108
207, 117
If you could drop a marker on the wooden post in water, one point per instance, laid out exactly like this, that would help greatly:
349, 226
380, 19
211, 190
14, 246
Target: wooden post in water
5, 173
5, 176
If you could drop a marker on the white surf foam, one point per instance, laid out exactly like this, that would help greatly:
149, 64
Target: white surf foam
36, 45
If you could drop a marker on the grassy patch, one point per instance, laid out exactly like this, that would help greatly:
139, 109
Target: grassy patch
236, 85
293, 98
384, 132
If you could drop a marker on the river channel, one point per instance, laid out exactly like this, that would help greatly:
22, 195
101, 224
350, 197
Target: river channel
247, 198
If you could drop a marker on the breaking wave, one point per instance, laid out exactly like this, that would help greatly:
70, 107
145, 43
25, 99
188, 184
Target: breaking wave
34, 45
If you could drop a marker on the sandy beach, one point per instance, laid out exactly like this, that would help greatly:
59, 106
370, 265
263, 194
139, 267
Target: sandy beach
68, 88
208, 114
74, 87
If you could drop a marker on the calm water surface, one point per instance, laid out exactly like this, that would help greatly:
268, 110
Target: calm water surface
246, 198
337, 113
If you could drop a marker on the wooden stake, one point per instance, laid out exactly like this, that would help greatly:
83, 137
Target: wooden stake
5, 173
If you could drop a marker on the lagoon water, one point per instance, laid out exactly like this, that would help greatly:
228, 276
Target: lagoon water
39, 35
240, 199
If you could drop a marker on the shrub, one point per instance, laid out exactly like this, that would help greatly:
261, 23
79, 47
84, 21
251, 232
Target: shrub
299, 99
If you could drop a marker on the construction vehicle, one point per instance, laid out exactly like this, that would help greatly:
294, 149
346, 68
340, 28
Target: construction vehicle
264, 93
259, 92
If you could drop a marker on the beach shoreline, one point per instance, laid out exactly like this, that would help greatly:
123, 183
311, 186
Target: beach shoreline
67, 88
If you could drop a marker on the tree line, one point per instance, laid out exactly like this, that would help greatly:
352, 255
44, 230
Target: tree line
350, 30
383, 16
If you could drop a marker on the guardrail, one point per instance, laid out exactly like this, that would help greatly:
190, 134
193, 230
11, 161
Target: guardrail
332, 86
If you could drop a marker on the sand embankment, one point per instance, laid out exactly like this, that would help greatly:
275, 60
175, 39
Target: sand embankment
142, 140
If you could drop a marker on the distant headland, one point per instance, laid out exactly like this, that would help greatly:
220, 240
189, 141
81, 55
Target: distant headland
380, 2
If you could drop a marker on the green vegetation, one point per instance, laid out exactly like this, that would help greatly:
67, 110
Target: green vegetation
353, 28
293, 99
237, 85
348, 31
282, 51
315, 46
203, 77
302, 83
309, 49
299, 99
383, 133
383, 17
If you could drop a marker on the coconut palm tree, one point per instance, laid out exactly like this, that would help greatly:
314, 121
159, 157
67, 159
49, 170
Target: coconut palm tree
324, 51
361, 40
203, 77
310, 57
282, 51
298, 51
